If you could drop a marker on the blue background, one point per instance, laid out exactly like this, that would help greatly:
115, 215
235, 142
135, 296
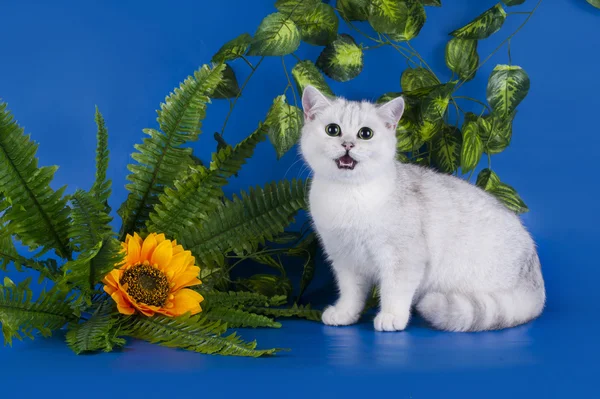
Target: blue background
59, 59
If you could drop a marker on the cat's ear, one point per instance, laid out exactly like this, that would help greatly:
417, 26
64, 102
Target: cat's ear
391, 112
313, 101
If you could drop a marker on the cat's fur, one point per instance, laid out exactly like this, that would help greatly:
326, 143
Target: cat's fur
426, 239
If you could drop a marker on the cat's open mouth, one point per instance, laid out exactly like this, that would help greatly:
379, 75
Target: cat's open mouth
346, 162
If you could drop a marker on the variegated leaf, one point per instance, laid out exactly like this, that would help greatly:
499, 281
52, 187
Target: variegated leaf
507, 87
276, 35
484, 25
306, 73
401, 20
284, 122
416, 78
462, 57
354, 10
233, 49
342, 59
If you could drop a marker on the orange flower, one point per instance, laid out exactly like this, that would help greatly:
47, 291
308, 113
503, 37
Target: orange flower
154, 277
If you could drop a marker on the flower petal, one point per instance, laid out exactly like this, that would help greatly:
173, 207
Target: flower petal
186, 301
148, 247
133, 251
159, 237
112, 279
162, 254
123, 305
179, 263
186, 279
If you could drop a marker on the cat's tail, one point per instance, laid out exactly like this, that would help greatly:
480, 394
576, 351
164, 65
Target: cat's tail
479, 311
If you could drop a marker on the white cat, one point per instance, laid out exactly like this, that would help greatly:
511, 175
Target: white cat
425, 238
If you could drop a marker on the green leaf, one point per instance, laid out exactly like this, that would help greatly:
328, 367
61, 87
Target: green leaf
490, 182
241, 224
305, 73
462, 57
239, 299
308, 249
407, 131
99, 332
342, 59
498, 137
507, 87
38, 215
20, 316
240, 318
266, 284
161, 158
90, 224
433, 3
318, 26
416, 78
102, 187
472, 147
276, 35
193, 333
433, 108
284, 122
511, 3
402, 20
296, 7
301, 311
354, 10
484, 25
196, 195
233, 49
595, 3
509, 197
446, 148
228, 88
487, 180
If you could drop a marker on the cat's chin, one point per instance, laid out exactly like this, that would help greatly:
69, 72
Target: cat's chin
346, 162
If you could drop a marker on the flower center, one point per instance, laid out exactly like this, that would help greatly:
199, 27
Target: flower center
146, 284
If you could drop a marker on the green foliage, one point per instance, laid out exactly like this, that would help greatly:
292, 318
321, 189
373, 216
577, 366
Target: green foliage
317, 26
101, 188
295, 7
197, 195
284, 122
161, 158
306, 73
342, 59
307, 248
228, 88
595, 3
239, 225
446, 149
239, 299
266, 284
38, 215
239, 318
20, 316
195, 333
417, 78
490, 182
507, 87
499, 134
462, 57
401, 20
233, 49
354, 10
511, 3
484, 25
89, 222
99, 333
300, 311
472, 147
276, 35
432, 3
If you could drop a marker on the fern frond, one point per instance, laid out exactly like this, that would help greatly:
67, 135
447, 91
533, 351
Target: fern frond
239, 299
196, 196
48, 268
20, 316
99, 332
102, 187
38, 215
161, 158
194, 333
90, 224
240, 318
242, 224
92, 265
301, 311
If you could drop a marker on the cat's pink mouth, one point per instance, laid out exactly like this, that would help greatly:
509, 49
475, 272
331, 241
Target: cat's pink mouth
346, 162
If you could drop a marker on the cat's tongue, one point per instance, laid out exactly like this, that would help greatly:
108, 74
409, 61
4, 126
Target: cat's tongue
345, 162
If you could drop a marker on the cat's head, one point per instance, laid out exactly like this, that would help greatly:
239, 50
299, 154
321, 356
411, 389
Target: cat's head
348, 140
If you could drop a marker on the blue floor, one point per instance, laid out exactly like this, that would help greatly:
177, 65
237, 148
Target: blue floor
554, 356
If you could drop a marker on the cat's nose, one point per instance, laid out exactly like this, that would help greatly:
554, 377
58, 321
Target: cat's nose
348, 146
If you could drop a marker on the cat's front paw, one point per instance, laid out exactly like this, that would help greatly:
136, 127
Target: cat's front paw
391, 321
333, 316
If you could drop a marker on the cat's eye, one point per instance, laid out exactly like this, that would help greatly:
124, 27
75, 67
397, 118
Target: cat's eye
333, 130
365, 133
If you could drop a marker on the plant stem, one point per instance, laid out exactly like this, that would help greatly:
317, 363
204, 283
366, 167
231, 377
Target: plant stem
248, 62
475, 101
290, 85
296, 57
503, 42
232, 106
